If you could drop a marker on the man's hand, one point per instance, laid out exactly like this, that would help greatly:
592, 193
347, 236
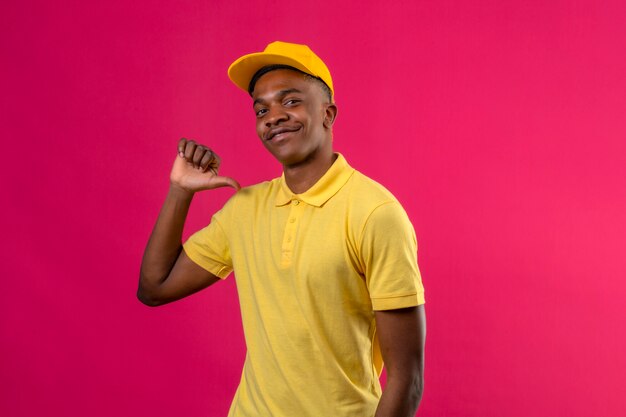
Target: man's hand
196, 169
167, 274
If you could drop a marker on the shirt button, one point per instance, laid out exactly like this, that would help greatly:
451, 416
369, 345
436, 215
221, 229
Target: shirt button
289, 239
292, 220
296, 202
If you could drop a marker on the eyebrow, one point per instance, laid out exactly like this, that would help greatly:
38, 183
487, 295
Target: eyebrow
280, 94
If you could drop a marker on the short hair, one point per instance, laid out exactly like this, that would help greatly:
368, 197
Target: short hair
268, 68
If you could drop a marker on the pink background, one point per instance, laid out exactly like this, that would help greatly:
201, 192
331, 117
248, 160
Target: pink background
501, 127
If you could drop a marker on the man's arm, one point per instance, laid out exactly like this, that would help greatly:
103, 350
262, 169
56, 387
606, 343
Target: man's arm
167, 274
402, 334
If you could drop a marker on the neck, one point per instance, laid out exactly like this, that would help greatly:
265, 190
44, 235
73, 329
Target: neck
304, 175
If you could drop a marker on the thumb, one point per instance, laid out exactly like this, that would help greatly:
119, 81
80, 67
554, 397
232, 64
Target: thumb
225, 182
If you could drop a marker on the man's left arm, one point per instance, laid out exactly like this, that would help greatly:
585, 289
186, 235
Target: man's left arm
401, 335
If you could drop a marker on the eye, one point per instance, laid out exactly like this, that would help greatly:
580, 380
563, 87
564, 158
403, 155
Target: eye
261, 112
291, 102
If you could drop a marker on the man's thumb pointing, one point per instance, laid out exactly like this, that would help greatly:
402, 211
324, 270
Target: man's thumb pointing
226, 182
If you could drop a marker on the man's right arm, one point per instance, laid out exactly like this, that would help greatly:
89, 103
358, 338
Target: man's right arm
167, 274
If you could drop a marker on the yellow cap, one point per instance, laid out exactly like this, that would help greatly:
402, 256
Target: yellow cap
298, 56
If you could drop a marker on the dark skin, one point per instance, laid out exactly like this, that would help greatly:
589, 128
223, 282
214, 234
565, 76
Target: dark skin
294, 121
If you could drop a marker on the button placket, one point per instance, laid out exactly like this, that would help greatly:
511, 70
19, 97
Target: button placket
290, 232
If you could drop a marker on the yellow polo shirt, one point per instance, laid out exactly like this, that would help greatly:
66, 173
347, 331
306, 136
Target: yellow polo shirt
311, 269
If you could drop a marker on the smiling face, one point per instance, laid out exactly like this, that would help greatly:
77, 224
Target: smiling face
293, 117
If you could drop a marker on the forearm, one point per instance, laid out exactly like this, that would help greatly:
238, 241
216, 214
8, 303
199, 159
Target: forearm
402, 335
401, 397
165, 242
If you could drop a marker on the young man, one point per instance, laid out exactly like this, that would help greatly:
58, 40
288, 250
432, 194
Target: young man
325, 258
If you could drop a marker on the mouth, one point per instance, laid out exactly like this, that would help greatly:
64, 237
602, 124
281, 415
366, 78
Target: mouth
279, 132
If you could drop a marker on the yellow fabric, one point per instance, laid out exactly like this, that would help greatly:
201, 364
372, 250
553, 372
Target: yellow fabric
310, 271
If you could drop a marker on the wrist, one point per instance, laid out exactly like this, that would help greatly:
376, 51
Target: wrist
180, 192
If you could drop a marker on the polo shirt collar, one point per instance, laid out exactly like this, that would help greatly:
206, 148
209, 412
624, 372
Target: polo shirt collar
326, 187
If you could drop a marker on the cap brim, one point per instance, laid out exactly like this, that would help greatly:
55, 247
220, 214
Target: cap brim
242, 70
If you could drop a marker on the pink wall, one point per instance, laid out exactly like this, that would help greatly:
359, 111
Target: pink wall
501, 126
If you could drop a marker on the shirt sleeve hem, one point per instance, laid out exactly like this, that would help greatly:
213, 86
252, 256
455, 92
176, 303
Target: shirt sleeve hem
219, 270
395, 302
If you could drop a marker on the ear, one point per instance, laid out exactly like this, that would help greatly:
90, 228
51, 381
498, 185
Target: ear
330, 114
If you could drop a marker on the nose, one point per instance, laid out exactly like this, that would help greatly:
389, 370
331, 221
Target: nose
275, 115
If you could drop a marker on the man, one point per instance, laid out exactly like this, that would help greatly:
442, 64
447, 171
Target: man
325, 258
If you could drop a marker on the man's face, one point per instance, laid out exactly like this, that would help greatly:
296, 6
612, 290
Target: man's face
290, 116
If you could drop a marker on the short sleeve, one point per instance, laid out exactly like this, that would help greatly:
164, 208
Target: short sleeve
209, 249
389, 253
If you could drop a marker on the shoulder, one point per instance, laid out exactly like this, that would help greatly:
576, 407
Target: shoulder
366, 195
247, 198
383, 221
372, 206
257, 191
373, 190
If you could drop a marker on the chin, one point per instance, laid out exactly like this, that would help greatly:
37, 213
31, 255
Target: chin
294, 157
291, 159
